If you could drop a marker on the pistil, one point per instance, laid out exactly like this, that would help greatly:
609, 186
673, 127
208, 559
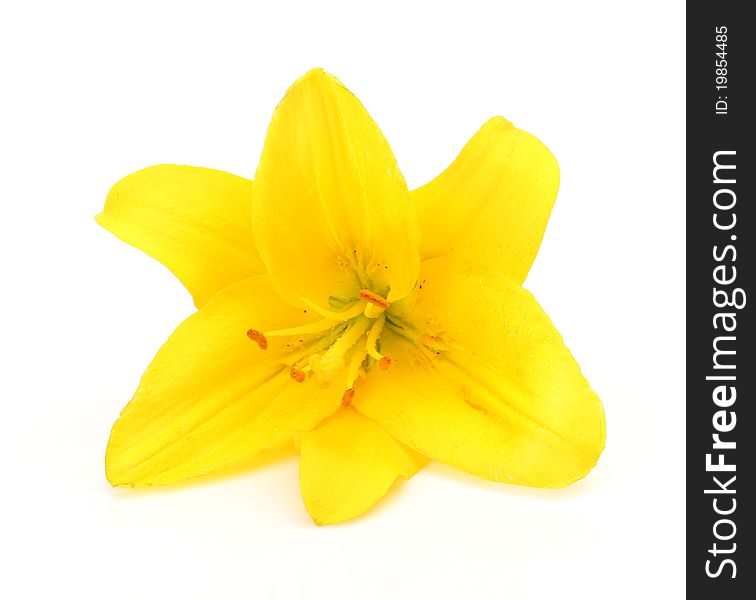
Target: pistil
372, 338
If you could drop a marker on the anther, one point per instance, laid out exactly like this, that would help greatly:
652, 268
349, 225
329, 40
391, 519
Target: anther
374, 298
259, 338
384, 363
297, 375
346, 398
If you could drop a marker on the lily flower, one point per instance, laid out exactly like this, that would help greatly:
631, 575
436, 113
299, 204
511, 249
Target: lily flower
375, 327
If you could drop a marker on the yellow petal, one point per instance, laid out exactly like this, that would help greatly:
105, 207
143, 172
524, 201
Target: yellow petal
349, 463
212, 399
482, 381
332, 213
196, 221
492, 204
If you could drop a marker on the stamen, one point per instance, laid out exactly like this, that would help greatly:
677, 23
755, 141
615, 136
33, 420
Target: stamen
331, 318
372, 338
348, 339
326, 364
346, 398
297, 375
338, 316
374, 298
259, 338
353, 368
315, 327
348, 336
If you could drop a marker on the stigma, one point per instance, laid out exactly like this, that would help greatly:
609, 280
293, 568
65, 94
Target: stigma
343, 343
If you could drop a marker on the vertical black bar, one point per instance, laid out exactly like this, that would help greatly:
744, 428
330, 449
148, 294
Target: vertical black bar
721, 269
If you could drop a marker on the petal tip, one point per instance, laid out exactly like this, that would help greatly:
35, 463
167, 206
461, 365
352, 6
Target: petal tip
116, 468
316, 76
116, 478
499, 123
316, 73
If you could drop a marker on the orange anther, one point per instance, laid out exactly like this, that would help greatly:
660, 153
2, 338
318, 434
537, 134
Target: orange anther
384, 363
346, 399
374, 298
259, 338
297, 375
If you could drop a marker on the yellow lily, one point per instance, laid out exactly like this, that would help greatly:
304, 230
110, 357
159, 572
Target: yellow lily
376, 327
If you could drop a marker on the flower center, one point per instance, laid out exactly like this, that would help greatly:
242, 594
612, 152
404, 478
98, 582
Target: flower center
348, 339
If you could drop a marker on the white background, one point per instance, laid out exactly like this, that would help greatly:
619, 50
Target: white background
92, 92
